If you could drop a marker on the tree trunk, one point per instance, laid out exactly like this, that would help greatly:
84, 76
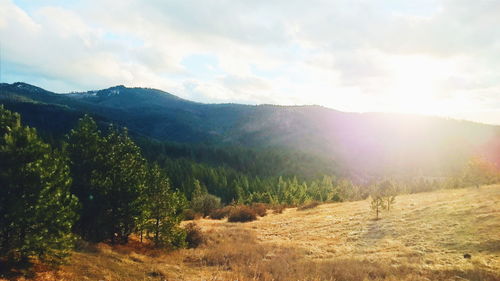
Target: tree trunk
157, 231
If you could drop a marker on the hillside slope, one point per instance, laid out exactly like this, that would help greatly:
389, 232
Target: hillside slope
369, 143
424, 237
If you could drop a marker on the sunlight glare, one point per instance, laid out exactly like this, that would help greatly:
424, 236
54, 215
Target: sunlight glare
415, 85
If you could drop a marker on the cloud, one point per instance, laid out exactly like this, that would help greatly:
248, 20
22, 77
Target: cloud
428, 56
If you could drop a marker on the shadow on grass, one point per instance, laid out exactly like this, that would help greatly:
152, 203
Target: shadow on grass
476, 274
490, 246
14, 270
375, 230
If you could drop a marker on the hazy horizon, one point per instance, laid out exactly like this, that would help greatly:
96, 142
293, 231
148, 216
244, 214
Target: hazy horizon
429, 57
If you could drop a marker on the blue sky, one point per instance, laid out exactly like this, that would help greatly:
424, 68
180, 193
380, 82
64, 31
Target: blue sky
436, 57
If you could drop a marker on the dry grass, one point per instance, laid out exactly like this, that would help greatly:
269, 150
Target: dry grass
134, 261
427, 232
434, 228
423, 238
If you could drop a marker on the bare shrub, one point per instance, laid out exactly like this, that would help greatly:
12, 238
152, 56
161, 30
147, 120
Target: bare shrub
260, 209
310, 205
219, 214
242, 213
194, 235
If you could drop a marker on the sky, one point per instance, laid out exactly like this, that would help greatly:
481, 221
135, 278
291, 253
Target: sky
434, 57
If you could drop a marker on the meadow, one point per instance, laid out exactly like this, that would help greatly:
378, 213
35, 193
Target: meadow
424, 237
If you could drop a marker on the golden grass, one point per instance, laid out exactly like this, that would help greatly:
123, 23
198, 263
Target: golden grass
434, 229
423, 238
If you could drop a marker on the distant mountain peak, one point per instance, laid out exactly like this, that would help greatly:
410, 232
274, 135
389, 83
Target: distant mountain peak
122, 97
25, 87
113, 90
116, 88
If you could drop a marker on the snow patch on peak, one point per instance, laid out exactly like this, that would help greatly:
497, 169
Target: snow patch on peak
28, 87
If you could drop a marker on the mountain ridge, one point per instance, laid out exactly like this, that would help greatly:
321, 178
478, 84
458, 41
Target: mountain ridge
170, 95
369, 142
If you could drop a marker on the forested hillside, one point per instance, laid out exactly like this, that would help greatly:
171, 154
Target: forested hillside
97, 183
358, 146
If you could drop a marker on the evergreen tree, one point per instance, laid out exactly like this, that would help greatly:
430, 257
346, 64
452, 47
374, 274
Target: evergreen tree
295, 193
85, 149
383, 196
109, 177
323, 190
377, 204
121, 177
164, 210
37, 210
387, 191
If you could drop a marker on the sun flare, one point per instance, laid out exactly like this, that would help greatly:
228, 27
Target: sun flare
415, 85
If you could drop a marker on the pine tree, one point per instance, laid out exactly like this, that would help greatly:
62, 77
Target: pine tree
383, 196
323, 190
164, 210
377, 205
85, 148
121, 177
37, 210
387, 191
109, 177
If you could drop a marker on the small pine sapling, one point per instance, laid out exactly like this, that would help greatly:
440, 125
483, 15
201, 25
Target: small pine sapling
377, 205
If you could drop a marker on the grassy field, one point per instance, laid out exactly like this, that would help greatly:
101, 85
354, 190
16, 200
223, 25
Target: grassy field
424, 237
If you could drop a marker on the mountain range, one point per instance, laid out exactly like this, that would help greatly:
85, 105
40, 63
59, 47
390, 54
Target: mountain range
362, 143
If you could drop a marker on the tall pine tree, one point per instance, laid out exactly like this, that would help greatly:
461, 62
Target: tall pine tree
109, 177
164, 210
85, 147
121, 177
37, 210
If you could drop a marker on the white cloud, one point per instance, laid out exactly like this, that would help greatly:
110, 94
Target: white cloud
428, 56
